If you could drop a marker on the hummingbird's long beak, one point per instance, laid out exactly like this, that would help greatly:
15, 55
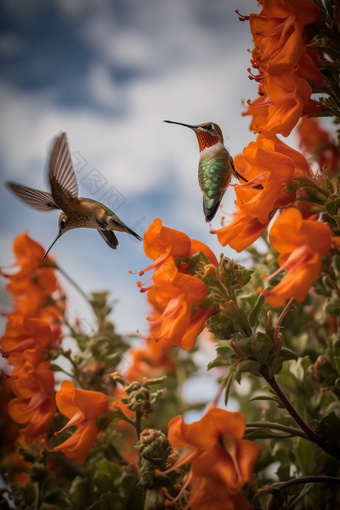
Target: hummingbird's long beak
56, 239
180, 124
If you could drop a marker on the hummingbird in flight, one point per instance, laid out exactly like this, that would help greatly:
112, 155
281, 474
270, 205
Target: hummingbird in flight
76, 212
215, 167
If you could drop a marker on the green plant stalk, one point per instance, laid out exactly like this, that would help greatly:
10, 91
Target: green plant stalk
313, 436
276, 426
303, 479
75, 285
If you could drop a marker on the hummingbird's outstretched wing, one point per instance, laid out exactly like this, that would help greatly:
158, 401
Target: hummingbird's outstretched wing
110, 238
61, 174
40, 200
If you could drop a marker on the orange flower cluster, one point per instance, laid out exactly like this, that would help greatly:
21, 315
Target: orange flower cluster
83, 408
31, 329
286, 68
34, 283
274, 164
218, 455
301, 244
317, 143
32, 382
175, 292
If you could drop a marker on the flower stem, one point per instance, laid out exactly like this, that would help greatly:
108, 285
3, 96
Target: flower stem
37, 502
284, 313
75, 285
277, 426
304, 479
332, 283
313, 436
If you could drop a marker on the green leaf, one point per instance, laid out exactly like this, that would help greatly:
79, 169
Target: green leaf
81, 492
304, 454
329, 428
254, 313
287, 354
264, 433
218, 362
304, 491
108, 501
228, 379
283, 472
102, 483
109, 468
247, 365
55, 368
266, 397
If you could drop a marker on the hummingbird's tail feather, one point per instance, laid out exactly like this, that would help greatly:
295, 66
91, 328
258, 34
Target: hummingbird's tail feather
40, 200
117, 224
209, 213
130, 231
110, 238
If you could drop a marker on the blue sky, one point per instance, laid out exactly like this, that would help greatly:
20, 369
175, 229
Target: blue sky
108, 73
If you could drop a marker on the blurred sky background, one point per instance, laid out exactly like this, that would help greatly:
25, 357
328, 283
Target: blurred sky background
108, 72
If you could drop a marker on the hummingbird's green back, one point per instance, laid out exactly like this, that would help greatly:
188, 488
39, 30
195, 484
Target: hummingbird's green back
214, 176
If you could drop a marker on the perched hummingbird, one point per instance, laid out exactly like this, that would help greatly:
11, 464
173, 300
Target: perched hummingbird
76, 212
215, 166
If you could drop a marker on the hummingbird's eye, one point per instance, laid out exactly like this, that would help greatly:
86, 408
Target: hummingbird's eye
209, 126
62, 223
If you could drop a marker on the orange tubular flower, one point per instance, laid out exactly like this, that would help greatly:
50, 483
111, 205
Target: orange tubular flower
162, 242
33, 285
241, 232
285, 99
83, 408
175, 292
35, 405
286, 67
301, 243
215, 449
273, 164
178, 292
206, 494
22, 334
279, 33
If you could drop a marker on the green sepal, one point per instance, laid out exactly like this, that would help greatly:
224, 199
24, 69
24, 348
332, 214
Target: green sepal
261, 347
195, 259
331, 208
